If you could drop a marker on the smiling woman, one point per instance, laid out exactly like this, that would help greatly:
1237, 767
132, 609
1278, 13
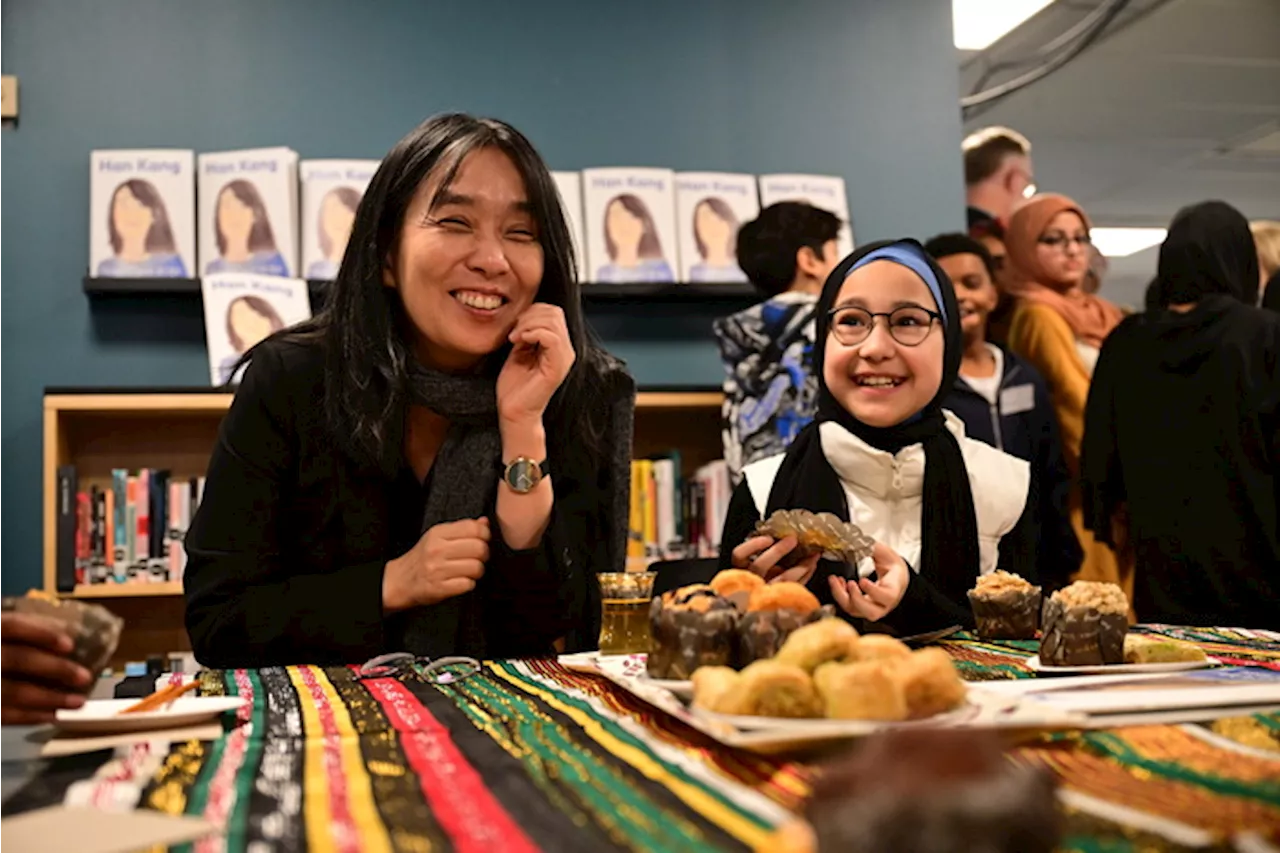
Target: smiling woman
438, 462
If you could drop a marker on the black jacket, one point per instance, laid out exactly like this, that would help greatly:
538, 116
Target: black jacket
1030, 433
287, 550
1182, 429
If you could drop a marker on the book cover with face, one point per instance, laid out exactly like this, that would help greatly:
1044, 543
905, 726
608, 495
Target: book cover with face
710, 208
629, 216
248, 212
241, 309
569, 185
331, 193
824, 191
142, 214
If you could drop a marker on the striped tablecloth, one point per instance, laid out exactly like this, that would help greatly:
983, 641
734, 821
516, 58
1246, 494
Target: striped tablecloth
527, 756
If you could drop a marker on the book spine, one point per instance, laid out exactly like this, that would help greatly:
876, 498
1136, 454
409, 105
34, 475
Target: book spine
635, 532
130, 523
142, 513
65, 560
98, 557
84, 524
157, 512
109, 529
120, 488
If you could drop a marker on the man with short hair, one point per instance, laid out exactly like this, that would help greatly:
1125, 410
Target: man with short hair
770, 393
1005, 402
997, 173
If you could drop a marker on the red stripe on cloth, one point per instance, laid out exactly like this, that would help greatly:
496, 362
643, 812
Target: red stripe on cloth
222, 788
474, 820
345, 833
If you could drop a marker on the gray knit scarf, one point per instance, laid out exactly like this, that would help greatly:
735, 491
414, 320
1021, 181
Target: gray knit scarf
464, 478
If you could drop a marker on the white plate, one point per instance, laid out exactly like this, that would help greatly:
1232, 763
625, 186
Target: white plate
816, 725
102, 716
681, 688
1121, 668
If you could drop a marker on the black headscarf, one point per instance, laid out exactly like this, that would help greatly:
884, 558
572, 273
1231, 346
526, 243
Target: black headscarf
949, 555
1271, 297
1209, 249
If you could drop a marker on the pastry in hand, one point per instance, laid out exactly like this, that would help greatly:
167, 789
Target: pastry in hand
1085, 625
1142, 649
94, 630
767, 688
817, 533
930, 682
861, 691
816, 643
870, 647
1005, 607
690, 627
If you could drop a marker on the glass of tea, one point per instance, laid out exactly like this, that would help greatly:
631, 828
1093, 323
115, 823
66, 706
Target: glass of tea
624, 629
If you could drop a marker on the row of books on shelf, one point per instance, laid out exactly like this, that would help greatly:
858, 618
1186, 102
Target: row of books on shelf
167, 213
130, 531
672, 517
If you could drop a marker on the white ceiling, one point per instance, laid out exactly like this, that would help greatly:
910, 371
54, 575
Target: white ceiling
1177, 103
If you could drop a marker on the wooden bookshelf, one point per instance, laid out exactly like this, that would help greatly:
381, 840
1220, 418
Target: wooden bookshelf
100, 429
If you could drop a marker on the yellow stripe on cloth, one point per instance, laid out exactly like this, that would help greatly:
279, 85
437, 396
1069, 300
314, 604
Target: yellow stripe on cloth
325, 832
693, 796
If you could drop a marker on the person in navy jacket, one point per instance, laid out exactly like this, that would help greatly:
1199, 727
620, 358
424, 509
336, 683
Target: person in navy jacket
1004, 402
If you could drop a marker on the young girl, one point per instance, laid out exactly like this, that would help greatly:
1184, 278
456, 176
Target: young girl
881, 453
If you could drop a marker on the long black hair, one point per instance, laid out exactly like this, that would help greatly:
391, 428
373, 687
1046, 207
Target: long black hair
363, 326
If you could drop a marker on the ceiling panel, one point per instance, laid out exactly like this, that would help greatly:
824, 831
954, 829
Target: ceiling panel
1137, 125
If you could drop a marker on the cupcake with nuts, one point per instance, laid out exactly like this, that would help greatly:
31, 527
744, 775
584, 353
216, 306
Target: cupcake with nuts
1005, 607
1084, 625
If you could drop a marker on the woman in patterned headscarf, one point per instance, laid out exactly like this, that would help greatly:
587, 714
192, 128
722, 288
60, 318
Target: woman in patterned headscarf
1059, 328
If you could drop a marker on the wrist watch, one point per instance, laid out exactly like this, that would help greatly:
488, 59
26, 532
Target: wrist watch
523, 474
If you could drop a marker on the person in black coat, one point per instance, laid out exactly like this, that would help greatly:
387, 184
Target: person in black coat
1181, 452
1004, 401
438, 462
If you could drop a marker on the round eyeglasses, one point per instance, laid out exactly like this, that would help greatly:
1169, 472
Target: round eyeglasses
908, 325
1062, 242
444, 670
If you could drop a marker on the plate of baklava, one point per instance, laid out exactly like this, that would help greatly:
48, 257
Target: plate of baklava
756, 656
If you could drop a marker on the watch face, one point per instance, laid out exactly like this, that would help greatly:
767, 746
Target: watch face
523, 475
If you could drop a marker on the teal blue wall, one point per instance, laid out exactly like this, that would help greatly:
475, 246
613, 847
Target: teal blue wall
861, 88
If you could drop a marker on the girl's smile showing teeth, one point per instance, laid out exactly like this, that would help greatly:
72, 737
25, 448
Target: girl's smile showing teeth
875, 380
479, 301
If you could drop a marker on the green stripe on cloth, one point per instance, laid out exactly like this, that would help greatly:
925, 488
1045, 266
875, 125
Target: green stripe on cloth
627, 805
238, 820
1114, 746
552, 819
614, 729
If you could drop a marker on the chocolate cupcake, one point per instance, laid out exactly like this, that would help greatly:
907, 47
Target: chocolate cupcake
94, 629
1084, 625
691, 627
1005, 607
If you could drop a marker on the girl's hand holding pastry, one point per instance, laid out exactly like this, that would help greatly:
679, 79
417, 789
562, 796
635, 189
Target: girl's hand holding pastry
876, 599
762, 554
